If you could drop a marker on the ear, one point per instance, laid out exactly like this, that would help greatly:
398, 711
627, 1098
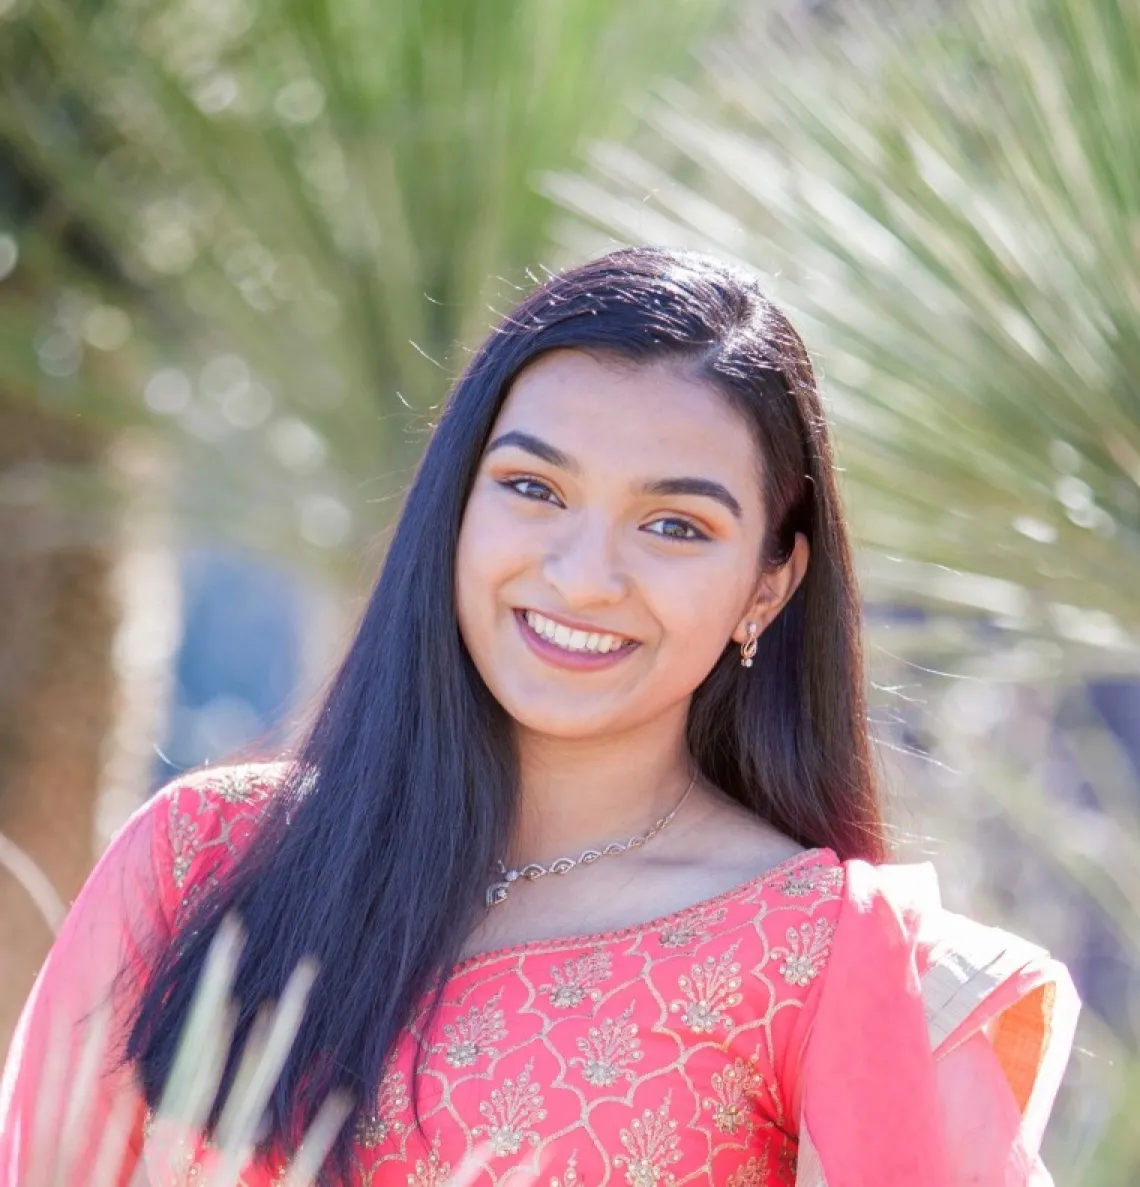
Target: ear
775, 590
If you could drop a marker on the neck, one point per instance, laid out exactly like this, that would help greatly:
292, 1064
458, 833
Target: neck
583, 793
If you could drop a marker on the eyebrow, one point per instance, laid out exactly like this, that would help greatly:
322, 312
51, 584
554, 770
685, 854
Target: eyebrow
705, 488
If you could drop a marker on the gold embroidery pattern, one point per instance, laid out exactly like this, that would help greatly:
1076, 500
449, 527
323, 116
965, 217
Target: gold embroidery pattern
207, 821
681, 935
788, 1163
607, 1050
512, 1113
814, 879
806, 954
430, 1172
234, 786
685, 932
199, 889
735, 1089
710, 989
375, 1125
570, 1177
722, 1118
475, 1033
183, 844
576, 979
652, 1144
754, 1173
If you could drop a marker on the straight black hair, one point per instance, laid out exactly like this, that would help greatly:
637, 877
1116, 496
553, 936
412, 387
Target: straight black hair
375, 855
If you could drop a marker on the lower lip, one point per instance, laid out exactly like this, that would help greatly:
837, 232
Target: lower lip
576, 661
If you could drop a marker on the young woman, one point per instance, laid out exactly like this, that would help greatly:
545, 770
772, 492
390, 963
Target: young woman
585, 838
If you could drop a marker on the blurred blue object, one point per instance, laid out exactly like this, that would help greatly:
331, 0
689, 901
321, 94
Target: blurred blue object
239, 661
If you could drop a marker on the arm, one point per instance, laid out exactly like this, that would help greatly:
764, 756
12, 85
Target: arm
65, 1053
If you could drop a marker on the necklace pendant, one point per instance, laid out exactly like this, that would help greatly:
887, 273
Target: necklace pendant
496, 893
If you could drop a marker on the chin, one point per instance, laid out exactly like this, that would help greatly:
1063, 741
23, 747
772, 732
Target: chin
561, 721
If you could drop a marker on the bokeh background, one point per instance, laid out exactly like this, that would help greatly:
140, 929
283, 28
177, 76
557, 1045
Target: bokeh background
245, 245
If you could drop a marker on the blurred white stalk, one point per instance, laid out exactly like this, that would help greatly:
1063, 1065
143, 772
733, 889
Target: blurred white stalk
147, 588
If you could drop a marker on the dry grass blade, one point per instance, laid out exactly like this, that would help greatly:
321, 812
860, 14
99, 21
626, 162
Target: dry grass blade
318, 1141
194, 1079
262, 1060
34, 881
111, 1157
50, 1103
82, 1091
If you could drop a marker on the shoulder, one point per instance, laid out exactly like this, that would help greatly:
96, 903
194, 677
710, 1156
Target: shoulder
963, 970
782, 926
204, 820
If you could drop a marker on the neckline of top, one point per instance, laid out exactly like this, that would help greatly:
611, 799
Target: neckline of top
591, 939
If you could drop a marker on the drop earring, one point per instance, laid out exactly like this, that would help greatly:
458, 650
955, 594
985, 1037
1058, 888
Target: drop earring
748, 650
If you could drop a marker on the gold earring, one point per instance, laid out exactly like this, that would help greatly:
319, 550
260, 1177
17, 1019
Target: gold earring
748, 650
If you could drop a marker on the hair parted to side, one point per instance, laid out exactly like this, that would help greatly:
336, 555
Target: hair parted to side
404, 792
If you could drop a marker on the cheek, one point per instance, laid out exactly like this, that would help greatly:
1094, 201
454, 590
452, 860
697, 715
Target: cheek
698, 614
490, 551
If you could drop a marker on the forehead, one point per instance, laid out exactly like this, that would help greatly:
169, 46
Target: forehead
649, 418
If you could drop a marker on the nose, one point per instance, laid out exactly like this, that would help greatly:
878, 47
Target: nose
583, 566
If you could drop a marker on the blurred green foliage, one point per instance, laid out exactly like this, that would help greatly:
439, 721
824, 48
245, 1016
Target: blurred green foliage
949, 196
271, 227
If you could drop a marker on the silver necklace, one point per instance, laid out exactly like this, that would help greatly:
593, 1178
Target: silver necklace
498, 891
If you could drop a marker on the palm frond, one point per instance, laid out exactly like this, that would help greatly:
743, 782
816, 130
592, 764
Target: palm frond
322, 199
949, 201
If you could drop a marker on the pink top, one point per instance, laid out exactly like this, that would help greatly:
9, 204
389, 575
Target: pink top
665, 1053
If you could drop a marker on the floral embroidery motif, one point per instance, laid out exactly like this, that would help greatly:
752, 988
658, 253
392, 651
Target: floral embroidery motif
681, 935
607, 1049
375, 1125
730, 1027
736, 1089
570, 1177
183, 844
812, 879
576, 979
474, 1033
210, 824
710, 988
188, 904
652, 1143
512, 1113
430, 1172
237, 787
806, 953
754, 1173
689, 931
788, 1162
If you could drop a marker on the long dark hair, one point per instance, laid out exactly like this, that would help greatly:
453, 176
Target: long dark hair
375, 855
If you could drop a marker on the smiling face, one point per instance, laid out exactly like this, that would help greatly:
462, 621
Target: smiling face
611, 545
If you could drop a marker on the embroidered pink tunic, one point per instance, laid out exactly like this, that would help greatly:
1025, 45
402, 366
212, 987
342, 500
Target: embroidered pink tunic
666, 1053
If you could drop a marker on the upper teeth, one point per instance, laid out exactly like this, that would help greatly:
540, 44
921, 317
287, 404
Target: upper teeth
572, 640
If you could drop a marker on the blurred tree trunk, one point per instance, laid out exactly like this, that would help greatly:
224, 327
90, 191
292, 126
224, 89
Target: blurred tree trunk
58, 619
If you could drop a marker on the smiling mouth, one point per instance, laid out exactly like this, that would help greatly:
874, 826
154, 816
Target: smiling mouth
575, 641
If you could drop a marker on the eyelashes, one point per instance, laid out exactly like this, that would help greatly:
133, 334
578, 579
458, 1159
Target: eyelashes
513, 484
690, 532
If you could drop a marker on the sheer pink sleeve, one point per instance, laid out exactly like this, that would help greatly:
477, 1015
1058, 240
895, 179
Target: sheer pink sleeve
66, 1050
936, 1046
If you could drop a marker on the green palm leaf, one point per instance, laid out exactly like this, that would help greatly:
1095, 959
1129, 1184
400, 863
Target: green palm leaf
324, 199
952, 207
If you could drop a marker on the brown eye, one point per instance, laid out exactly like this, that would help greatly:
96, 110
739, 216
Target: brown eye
530, 488
676, 529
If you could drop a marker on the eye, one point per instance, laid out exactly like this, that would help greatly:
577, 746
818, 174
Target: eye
676, 529
530, 488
